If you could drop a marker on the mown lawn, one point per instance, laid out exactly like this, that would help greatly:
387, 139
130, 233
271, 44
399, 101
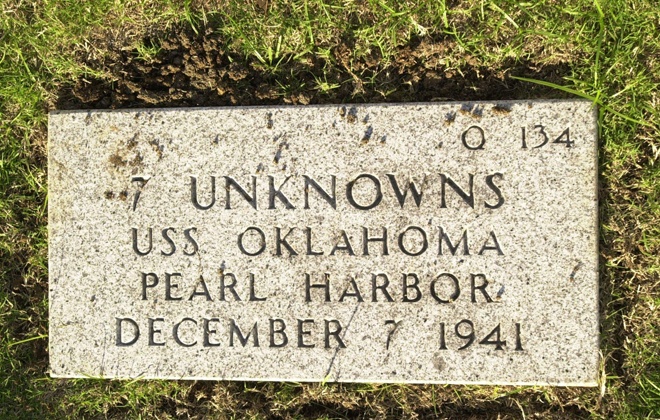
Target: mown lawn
57, 54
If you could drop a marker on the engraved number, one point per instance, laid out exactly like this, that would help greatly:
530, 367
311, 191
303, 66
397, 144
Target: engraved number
141, 181
469, 336
563, 138
390, 334
544, 134
518, 342
443, 345
565, 134
465, 330
497, 342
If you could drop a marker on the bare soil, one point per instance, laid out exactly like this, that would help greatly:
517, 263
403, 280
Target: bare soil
197, 70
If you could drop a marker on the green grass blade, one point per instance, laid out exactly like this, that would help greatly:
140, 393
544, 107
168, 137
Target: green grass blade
593, 99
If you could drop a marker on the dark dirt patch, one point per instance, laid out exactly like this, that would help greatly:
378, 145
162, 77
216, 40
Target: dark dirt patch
199, 70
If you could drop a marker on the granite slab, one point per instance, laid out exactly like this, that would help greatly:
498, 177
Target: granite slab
415, 243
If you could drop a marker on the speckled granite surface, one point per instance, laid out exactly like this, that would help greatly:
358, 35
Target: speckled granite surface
436, 243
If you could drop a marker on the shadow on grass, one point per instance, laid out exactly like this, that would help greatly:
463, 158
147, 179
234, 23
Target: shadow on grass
195, 70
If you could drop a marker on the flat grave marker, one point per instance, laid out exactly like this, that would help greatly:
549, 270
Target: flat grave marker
419, 243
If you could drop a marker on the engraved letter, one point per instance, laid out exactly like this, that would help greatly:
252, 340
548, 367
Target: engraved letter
401, 196
192, 241
279, 241
169, 240
234, 329
135, 244
208, 331
366, 239
454, 296
308, 235
377, 199
136, 330
354, 293
229, 286
332, 200
453, 248
175, 333
481, 134
273, 193
169, 286
145, 284
481, 288
153, 331
468, 198
193, 194
280, 331
203, 292
253, 294
251, 199
302, 333
346, 247
496, 190
309, 286
406, 287
422, 249
334, 333
382, 287
262, 247
494, 247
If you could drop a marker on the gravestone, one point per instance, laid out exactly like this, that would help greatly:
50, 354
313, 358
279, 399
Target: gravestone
418, 243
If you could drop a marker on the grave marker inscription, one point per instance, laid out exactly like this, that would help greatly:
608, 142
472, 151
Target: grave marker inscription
435, 243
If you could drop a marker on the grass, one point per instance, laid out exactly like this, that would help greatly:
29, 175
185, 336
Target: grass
605, 50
